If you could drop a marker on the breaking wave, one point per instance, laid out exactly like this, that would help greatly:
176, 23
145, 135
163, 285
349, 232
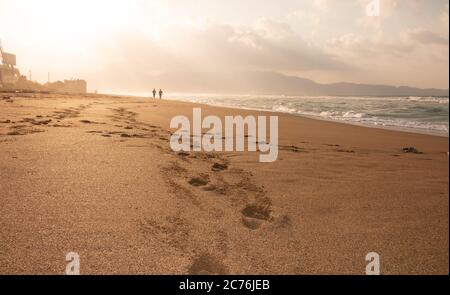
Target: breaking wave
422, 114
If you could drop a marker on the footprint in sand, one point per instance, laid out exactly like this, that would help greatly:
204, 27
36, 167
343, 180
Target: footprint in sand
183, 154
206, 264
255, 214
62, 125
217, 167
201, 180
20, 131
292, 148
90, 122
220, 188
87, 122
257, 211
345, 151
36, 122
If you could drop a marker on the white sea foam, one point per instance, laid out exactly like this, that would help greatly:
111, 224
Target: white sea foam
424, 114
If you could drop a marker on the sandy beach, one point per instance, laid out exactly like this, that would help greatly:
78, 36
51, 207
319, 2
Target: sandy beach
95, 174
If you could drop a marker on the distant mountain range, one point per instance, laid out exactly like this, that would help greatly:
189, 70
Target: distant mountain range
259, 82
274, 83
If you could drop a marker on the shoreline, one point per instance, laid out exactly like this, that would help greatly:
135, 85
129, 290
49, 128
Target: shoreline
319, 118
314, 117
322, 124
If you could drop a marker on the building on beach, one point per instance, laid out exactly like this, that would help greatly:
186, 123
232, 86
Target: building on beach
10, 79
9, 75
69, 86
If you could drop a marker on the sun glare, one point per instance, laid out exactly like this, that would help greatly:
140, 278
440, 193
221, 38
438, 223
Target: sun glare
84, 20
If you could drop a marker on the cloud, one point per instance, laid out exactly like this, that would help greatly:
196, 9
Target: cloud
413, 57
444, 19
325, 40
308, 17
351, 46
323, 5
426, 37
215, 50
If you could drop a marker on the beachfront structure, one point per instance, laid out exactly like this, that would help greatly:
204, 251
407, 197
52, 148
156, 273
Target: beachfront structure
75, 86
9, 75
70, 86
10, 78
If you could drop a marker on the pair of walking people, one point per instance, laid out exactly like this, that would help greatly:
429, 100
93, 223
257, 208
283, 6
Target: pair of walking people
160, 93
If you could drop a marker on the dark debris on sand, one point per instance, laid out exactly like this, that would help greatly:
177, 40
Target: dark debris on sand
411, 150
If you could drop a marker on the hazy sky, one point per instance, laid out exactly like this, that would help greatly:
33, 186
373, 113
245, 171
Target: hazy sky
129, 45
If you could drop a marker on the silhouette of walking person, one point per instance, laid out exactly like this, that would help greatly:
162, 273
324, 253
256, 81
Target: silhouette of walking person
160, 93
154, 93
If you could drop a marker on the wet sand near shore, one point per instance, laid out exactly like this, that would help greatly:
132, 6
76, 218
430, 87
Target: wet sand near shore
95, 174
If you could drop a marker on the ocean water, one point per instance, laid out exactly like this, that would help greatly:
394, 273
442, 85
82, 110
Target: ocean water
416, 114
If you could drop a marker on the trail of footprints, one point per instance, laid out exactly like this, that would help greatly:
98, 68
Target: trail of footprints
213, 178
131, 128
36, 124
217, 178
